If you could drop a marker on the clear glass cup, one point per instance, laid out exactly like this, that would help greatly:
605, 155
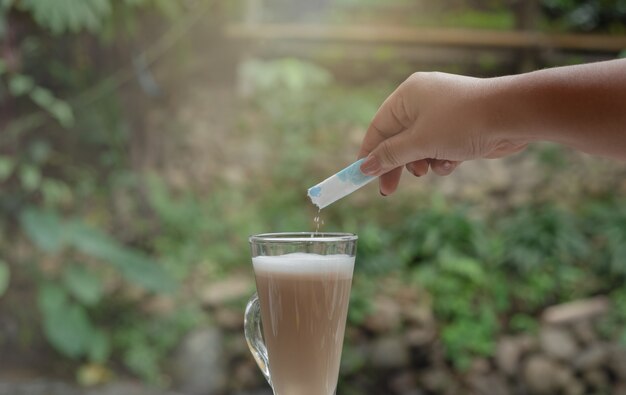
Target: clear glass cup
295, 322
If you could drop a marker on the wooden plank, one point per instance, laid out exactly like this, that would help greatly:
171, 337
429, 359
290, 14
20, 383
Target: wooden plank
427, 36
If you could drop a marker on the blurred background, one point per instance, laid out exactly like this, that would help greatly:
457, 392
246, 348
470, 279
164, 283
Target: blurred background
142, 141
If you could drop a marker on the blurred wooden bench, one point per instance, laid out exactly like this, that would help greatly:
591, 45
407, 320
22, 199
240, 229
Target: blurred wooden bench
520, 39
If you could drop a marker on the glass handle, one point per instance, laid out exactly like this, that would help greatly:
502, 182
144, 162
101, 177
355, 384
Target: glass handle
254, 335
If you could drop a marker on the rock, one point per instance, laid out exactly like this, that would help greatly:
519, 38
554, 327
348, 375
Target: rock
528, 343
436, 355
436, 380
574, 387
508, 353
126, 388
389, 353
619, 389
93, 374
408, 295
230, 289
597, 379
237, 346
592, 358
540, 373
38, 387
479, 366
247, 375
421, 316
260, 392
618, 362
584, 332
563, 376
354, 358
578, 310
229, 318
419, 337
490, 384
160, 305
404, 382
385, 315
558, 343
199, 367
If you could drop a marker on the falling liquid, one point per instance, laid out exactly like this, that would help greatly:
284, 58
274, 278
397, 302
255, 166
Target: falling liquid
317, 221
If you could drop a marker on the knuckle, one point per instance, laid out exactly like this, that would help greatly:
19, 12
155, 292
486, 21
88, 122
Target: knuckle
416, 77
388, 154
400, 112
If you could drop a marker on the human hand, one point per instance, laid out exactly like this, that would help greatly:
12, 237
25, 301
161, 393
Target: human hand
435, 120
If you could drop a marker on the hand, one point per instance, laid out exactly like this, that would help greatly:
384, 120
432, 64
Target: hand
434, 120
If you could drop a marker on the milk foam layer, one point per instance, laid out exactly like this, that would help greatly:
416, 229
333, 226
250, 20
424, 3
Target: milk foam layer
303, 263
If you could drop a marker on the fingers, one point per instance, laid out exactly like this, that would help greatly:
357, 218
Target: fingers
390, 119
418, 168
440, 167
443, 167
393, 152
389, 182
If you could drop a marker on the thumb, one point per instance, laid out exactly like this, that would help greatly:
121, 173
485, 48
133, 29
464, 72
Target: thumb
393, 152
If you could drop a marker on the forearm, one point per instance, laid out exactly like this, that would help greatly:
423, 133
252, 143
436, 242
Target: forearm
583, 107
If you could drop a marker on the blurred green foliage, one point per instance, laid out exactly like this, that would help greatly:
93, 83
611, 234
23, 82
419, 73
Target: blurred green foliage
57, 179
499, 19
95, 16
494, 274
586, 15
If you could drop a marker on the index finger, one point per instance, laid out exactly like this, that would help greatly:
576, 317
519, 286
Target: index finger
390, 119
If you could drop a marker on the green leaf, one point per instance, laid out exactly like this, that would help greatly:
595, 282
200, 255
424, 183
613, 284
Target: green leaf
135, 266
51, 297
168, 8
61, 16
55, 192
135, 3
63, 113
3, 65
30, 177
49, 233
99, 347
43, 228
465, 267
143, 360
145, 272
43, 97
5, 277
66, 325
68, 330
39, 151
85, 286
20, 84
7, 164
6, 4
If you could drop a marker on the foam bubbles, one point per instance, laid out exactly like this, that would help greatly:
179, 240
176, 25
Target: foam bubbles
303, 263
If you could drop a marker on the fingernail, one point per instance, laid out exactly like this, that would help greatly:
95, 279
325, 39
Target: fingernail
446, 165
411, 168
371, 166
381, 193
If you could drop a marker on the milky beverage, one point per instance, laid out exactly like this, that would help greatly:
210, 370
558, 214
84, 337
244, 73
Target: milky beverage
304, 303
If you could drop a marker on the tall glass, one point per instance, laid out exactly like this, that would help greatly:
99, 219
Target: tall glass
295, 323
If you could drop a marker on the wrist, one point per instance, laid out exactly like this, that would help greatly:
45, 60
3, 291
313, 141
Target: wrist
506, 110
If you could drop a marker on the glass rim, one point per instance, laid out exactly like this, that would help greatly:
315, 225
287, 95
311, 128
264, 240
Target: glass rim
290, 237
